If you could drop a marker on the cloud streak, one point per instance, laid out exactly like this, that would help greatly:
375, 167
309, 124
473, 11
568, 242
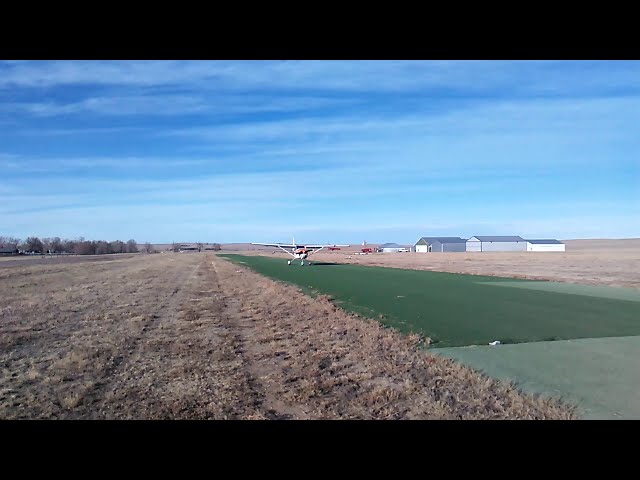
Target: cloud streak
529, 77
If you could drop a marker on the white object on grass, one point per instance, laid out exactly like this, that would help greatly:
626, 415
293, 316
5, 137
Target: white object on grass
494, 343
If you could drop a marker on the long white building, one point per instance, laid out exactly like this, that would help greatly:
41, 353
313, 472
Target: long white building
548, 245
440, 244
481, 243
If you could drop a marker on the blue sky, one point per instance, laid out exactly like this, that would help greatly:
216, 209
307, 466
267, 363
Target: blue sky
328, 151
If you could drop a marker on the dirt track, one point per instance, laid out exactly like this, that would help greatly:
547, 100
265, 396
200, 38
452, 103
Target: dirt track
193, 336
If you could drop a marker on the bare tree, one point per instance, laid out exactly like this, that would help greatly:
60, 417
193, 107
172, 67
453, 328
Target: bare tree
148, 248
118, 247
85, 248
200, 245
132, 246
217, 246
9, 241
34, 244
175, 246
102, 248
46, 245
69, 246
55, 245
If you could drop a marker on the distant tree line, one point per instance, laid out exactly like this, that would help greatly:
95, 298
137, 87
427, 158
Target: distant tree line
76, 247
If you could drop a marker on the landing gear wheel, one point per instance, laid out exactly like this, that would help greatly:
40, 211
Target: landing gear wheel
302, 263
288, 262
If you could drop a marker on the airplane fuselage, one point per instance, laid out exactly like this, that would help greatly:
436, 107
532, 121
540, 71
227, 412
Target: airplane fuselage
300, 253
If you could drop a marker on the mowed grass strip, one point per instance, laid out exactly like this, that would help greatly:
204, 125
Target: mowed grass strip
599, 374
456, 309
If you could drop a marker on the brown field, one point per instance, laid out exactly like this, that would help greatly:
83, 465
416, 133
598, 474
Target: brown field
595, 262
191, 336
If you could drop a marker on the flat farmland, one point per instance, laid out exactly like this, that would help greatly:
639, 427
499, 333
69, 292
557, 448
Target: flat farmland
193, 336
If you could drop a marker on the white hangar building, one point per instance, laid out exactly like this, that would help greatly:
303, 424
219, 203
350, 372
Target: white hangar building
440, 244
390, 248
496, 244
549, 245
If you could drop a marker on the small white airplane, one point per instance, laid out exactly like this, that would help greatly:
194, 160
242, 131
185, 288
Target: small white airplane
297, 250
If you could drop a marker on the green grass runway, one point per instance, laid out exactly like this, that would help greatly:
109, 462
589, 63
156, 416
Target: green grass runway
600, 375
458, 310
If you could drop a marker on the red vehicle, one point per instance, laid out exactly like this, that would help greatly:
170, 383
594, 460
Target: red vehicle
333, 248
367, 250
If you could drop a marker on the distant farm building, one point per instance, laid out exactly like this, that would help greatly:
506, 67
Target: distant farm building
440, 244
197, 247
548, 245
9, 250
391, 248
496, 244
188, 247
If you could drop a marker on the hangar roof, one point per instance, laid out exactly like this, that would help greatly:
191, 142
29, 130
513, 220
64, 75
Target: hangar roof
499, 238
553, 241
443, 239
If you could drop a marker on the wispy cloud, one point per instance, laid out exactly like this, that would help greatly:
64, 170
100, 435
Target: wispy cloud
54, 164
79, 131
129, 105
361, 76
502, 116
165, 104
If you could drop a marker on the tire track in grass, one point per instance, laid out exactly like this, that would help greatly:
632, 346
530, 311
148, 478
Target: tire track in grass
120, 373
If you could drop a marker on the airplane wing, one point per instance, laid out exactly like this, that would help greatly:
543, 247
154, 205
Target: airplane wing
316, 248
281, 245
298, 245
326, 246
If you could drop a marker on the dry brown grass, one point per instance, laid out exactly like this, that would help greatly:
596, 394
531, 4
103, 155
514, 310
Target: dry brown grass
188, 336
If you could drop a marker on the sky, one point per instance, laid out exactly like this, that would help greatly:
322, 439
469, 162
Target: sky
328, 151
